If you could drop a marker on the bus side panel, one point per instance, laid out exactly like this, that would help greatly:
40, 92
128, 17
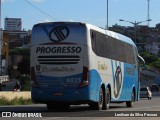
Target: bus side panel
124, 77
130, 81
121, 76
95, 85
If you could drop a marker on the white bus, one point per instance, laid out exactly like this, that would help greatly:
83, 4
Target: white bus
76, 63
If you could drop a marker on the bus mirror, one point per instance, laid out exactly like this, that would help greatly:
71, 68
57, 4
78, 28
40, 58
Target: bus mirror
141, 59
142, 62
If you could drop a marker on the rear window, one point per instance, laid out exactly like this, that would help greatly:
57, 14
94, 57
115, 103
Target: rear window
47, 33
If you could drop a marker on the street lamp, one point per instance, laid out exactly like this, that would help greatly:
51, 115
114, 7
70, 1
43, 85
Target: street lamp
135, 25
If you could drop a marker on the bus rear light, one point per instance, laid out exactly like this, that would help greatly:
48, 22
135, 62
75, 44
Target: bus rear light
34, 82
84, 83
85, 78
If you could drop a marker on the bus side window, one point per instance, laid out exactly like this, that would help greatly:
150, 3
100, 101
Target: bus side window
93, 41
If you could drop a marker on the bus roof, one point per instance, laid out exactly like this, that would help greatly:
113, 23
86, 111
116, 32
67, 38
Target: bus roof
107, 32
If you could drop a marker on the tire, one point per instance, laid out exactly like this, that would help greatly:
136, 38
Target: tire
130, 103
107, 100
98, 105
101, 100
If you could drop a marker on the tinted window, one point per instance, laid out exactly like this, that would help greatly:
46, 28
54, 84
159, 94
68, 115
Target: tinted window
108, 47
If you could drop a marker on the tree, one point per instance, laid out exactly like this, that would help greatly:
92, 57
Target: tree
149, 58
24, 65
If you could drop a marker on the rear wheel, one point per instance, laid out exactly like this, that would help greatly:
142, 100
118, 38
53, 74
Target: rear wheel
98, 105
101, 99
107, 100
130, 103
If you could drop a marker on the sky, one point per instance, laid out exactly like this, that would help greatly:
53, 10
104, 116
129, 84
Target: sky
87, 11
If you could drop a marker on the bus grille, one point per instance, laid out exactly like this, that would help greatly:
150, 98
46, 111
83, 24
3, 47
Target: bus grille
58, 60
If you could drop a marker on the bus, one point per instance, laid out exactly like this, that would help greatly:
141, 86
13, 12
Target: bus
75, 63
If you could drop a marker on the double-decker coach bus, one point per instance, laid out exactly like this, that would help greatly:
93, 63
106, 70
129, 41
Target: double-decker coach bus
77, 63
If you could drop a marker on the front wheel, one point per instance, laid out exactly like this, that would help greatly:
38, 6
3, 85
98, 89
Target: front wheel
130, 103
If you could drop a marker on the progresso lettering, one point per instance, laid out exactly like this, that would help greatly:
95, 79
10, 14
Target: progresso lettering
58, 50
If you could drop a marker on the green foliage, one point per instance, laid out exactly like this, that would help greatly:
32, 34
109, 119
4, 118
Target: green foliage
4, 101
20, 101
149, 58
19, 51
15, 101
156, 63
24, 65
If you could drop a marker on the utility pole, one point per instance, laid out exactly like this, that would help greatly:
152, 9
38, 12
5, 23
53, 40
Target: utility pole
0, 13
0, 42
148, 16
107, 15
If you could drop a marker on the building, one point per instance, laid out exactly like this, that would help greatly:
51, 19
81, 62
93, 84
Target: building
13, 24
11, 40
118, 28
4, 54
153, 47
18, 38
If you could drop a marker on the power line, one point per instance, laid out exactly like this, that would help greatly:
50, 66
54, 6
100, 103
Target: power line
40, 10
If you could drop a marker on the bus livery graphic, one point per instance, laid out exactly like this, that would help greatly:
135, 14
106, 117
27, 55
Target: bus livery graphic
117, 81
59, 33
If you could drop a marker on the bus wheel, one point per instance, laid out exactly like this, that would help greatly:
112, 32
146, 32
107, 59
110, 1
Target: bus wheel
100, 104
107, 100
130, 103
101, 100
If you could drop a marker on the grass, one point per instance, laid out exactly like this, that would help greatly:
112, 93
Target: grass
15, 101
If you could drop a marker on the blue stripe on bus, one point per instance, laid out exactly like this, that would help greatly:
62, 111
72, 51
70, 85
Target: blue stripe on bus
90, 92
